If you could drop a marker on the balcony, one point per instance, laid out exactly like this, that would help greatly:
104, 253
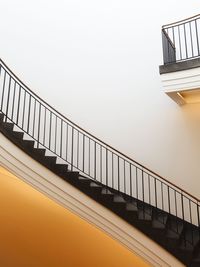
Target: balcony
180, 72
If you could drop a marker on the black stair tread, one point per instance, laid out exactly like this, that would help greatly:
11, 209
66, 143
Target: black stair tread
131, 206
118, 199
174, 227
106, 191
93, 184
159, 220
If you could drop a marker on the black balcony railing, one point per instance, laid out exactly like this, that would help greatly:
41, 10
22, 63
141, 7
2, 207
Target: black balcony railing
87, 154
181, 40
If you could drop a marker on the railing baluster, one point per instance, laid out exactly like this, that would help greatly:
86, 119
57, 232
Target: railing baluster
23, 114
61, 137
50, 130
124, 177
118, 173
72, 149
38, 139
67, 132
8, 98
197, 36
29, 110
18, 105
34, 113
44, 129
13, 103
83, 153
77, 149
106, 166
131, 190
2, 97
95, 160
55, 139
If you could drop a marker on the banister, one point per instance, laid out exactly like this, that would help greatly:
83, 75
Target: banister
181, 21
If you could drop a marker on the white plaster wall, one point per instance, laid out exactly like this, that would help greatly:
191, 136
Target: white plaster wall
97, 62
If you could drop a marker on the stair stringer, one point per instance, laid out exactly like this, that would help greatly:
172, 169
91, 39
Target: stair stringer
48, 183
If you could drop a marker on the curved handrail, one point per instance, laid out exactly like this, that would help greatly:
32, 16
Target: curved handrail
102, 142
181, 21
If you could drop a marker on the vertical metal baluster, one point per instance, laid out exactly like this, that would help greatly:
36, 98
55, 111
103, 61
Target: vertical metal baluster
182, 206
67, 131
197, 37
180, 42
50, 118
175, 202
29, 110
4, 81
169, 199
55, 139
155, 184
101, 166
174, 42
38, 137
131, 190
143, 208
95, 172
61, 137
191, 40
89, 156
106, 166
44, 130
191, 221
186, 50
72, 149
136, 182
149, 185
83, 153
13, 103
118, 173
124, 177
78, 149
8, 98
34, 117
18, 105
24, 104
161, 184
112, 172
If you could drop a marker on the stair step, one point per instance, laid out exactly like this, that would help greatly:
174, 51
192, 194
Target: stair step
8, 125
174, 227
118, 199
159, 220
144, 212
131, 206
93, 184
106, 191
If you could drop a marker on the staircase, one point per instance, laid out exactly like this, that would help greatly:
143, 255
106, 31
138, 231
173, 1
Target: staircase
164, 212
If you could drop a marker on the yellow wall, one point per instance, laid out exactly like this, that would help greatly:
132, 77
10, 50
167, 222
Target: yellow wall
36, 232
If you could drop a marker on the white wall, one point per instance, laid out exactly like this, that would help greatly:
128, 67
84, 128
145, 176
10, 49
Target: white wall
97, 62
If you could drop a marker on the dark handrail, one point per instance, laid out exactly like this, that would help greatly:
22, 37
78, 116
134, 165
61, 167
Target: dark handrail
105, 144
181, 21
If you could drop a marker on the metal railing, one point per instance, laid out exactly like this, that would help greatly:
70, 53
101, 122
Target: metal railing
87, 154
181, 40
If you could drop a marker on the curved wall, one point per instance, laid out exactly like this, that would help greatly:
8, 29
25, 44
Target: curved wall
97, 62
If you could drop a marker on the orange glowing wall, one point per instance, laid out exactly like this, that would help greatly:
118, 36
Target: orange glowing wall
37, 232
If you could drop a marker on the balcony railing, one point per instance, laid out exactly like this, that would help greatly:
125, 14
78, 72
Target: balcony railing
181, 40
